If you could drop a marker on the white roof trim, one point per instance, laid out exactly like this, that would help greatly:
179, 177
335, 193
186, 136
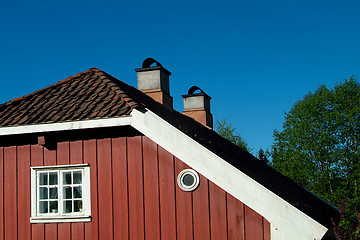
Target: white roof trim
64, 126
284, 218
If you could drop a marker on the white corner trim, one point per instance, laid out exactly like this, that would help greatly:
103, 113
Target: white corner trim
63, 126
290, 222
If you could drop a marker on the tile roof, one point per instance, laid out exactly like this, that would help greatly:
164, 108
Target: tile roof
86, 95
96, 94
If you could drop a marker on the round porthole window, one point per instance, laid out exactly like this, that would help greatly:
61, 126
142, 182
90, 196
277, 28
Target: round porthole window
188, 180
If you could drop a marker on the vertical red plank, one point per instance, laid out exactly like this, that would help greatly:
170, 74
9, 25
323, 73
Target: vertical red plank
253, 225
167, 194
50, 160
24, 207
120, 190
37, 231
184, 208
76, 157
105, 189
151, 189
2, 223
266, 227
63, 153
51, 231
76, 152
90, 157
136, 188
235, 214
63, 158
37, 159
201, 210
10, 182
217, 212
49, 157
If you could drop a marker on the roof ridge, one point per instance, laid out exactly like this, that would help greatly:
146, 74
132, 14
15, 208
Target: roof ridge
114, 84
92, 69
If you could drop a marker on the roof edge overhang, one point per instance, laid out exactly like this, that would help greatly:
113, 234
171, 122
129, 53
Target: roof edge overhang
66, 126
286, 220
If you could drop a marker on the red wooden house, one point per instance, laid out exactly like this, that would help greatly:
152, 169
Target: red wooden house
91, 157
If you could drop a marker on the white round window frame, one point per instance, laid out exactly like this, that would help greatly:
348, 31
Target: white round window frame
181, 176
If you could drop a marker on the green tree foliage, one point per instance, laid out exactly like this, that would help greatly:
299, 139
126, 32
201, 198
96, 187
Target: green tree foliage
264, 156
347, 228
319, 146
225, 129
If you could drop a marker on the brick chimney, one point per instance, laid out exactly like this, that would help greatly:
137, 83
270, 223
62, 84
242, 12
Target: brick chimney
153, 79
197, 106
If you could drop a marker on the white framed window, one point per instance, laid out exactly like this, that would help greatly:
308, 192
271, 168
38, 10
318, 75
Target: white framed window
60, 193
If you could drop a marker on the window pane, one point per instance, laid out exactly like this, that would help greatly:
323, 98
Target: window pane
67, 177
67, 206
53, 206
53, 178
53, 193
67, 193
77, 177
77, 192
77, 206
43, 178
43, 207
43, 193
188, 180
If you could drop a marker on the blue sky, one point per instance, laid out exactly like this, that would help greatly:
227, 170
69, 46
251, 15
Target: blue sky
254, 58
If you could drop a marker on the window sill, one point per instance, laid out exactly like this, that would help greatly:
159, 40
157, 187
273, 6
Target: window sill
60, 219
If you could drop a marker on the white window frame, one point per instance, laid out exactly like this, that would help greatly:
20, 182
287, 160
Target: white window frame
83, 216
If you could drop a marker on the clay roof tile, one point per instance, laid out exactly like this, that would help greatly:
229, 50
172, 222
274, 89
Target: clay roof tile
89, 94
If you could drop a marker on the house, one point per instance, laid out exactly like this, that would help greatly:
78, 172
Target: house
91, 157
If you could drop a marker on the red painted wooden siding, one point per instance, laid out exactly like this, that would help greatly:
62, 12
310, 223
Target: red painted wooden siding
134, 195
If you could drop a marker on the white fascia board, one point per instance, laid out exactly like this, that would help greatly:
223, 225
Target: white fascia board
275, 234
65, 126
287, 220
